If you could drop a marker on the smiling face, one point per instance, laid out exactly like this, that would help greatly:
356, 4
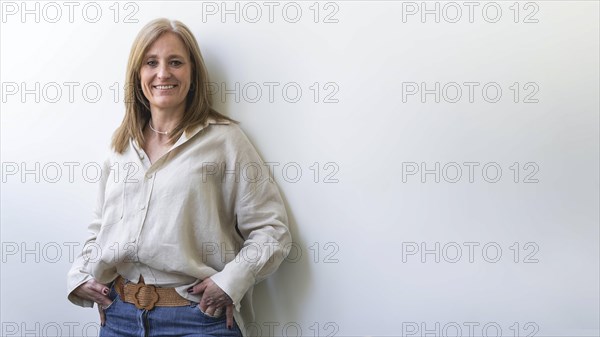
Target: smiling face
166, 74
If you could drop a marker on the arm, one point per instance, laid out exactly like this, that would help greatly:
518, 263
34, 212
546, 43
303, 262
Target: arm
77, 275
262, 221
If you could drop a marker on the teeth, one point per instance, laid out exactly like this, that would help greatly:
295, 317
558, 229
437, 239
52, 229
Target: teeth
163, 87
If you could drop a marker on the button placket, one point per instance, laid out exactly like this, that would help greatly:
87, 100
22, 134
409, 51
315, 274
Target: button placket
148, 186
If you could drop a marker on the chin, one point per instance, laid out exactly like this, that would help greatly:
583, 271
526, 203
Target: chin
166, 104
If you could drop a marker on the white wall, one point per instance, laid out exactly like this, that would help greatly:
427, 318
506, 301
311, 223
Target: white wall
354, 272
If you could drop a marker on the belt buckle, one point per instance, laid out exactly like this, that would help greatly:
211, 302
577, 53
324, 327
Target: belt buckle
145, 296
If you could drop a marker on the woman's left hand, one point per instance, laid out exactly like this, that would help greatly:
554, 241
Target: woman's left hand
213, 299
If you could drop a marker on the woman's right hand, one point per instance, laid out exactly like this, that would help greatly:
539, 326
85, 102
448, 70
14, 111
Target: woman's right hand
93, 291
97, 292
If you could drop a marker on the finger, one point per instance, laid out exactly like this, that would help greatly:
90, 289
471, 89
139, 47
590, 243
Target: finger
105, 301
201, 309
92, 295
206, 301
201, 287
212, 291
203, 306
210, 311
229, 314
100, 299
90, 290
99, 287
197, 289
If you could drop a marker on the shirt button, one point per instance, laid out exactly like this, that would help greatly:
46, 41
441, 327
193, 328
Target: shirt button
141, 156
143, 207
149, 176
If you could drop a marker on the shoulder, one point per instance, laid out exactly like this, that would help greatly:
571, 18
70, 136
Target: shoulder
231, 131
238, 146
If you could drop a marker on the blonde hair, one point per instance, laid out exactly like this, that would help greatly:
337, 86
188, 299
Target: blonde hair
137, 109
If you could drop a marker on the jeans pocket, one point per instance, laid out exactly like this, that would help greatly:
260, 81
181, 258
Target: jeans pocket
112, 294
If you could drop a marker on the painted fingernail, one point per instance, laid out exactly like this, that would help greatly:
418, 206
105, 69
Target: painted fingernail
105, 291
229, 327
190, 290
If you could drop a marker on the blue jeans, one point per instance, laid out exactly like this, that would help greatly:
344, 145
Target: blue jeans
125, 320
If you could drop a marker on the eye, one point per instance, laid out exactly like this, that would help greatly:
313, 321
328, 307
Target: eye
176, 63
151, 63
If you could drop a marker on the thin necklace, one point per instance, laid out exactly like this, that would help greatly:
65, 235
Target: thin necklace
159, 132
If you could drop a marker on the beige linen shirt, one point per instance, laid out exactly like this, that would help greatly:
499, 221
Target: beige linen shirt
207, 208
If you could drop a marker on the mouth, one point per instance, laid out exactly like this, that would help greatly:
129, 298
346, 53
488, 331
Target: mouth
164, 87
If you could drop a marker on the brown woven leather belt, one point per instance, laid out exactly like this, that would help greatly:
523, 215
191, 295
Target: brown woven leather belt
147, 296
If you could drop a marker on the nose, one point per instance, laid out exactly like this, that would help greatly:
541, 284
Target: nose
163, 72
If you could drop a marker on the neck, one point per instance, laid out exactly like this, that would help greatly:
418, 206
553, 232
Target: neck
164, 121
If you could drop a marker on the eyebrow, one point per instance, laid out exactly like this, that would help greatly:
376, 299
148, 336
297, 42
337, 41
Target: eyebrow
170, 56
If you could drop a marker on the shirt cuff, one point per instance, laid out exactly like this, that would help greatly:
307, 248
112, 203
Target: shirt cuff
75, 281
235, 280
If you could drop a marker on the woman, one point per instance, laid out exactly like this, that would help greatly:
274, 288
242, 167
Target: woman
187, 218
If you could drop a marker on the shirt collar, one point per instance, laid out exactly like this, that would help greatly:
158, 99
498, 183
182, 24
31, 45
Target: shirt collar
185, 136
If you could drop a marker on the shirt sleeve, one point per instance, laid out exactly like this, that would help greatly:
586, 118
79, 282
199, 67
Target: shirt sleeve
77, 275
263, 223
